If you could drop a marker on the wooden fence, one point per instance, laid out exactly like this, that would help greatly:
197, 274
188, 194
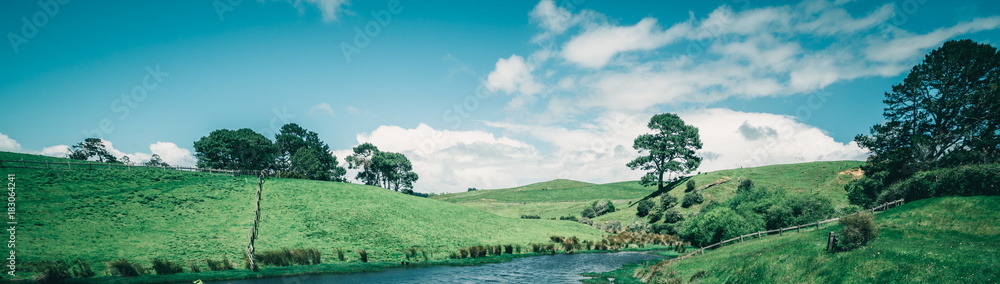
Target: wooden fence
782, 231
97, 166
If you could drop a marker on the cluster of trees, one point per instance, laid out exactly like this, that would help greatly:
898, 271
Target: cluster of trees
946, 113
93, 148
299, 153
383, 169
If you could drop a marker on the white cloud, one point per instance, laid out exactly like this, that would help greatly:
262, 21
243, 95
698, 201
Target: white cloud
55, 151
168, 151
513, 76
9, 145
321, 108
597, 46
906, 45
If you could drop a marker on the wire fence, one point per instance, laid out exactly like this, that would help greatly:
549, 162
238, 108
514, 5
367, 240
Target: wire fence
781, 231
24, 164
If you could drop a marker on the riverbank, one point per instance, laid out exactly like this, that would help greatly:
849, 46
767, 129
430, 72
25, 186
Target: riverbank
337, 268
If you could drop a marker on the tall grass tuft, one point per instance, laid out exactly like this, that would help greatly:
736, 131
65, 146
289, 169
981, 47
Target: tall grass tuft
508, 249
194, 267
53, 272
81, 269
340, 255
125, 268
166, 267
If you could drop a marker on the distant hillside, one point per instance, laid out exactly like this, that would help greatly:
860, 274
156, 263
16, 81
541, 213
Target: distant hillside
938, 240
101, 215
821, 178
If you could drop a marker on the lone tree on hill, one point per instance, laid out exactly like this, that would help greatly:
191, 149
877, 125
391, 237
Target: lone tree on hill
670, 148
241, 149
945, 113
91, 147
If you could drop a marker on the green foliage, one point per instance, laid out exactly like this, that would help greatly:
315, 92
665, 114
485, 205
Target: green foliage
91, 147
668, 201
383, 169
745, 184
690, 186
220, 265
340, 255
241, 149
858, 230
81, 269
673, 216
363, 254
959, 181
692, 198
797, 210
945, 113
472, 189
156, 161
663, 229
301, 151
166, 267
643, 208
718, 224
669, 149
530, 217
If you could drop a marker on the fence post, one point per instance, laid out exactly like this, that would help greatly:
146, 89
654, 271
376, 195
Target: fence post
781, 231
798, 229
68, 165
23, 164
46, 164
829, 242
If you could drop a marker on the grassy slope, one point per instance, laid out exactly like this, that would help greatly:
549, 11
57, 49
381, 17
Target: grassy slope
102, 215
820, 178
939, 240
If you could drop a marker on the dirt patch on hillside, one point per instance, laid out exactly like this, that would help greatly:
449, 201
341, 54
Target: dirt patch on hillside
856, 173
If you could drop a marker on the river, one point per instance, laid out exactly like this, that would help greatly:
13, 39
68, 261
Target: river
560, 268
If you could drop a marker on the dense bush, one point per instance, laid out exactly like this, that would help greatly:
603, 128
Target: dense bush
718, 224
673, 216
798, 210
663, 229
568, 218
745, 184
125, 268
692, 198
643, 207
667, 201
585, 221
588, 213
166, 267
859, 229
690, 186
656, 215
960, 181
224, 264
530, 217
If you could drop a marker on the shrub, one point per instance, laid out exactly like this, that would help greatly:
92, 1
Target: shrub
536, 247
453, 255
612, 226
166, 267
224, 264
680, 248
194, 267
125, 268
530, 217
568, 218
508, 249
667, 201
588, 213
859, 229
282, 257
556, 239
797, 210
643, 208
745, 185
959, 181
82, 269
692, 198
690, 186
301, 256
656, 215
472, 189
663, 229
585, 221
718, 224
53, 272
463, 252
363, 254
673, 216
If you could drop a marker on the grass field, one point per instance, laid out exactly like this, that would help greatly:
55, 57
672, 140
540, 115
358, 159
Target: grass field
101, 215
563, 197
938, 240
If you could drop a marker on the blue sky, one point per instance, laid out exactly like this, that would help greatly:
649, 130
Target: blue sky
477, 93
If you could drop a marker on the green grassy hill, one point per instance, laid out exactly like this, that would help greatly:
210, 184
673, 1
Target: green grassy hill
101, 215
938, 240
821, 178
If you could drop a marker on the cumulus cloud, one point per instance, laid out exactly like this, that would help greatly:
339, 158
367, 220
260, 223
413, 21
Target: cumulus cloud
8, 144
513, 76
168, 152
55, 151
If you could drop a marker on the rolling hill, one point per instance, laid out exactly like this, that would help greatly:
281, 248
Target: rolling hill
563, 197
139, 214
